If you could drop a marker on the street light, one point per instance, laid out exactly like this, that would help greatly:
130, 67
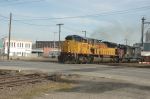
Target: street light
84, 33
59, 31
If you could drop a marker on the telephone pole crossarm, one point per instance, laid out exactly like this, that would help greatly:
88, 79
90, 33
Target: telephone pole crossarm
146, 22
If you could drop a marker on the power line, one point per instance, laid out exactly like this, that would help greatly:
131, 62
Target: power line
27, 23
70, 29
16, 3
7, 1
4, 17
90, 15
83, 16
39, 25
2, 35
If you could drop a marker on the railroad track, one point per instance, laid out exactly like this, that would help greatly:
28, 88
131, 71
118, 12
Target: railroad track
19, 80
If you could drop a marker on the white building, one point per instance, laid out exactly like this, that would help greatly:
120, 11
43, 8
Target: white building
17, 47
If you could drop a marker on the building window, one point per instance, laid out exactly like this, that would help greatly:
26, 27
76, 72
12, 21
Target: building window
11, 44
26, 46
29, 45
17, 44
20, 44
14, 44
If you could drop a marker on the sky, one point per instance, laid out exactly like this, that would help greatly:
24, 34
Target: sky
108, 20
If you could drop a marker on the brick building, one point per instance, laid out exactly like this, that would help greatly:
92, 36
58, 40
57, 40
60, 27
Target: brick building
50, 48
49, 44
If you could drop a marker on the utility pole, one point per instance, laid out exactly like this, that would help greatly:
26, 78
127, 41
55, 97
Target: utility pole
142, 30
84, 33
54, 39
9, 36
59, 32
126, 41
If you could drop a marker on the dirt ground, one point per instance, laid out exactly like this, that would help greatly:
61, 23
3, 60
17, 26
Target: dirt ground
98, 88
26, 90
72, 86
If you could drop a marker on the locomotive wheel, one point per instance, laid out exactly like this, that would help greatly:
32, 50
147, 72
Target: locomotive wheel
90, 59
116, 59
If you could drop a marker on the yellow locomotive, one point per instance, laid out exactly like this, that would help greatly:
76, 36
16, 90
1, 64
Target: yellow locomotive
77, 49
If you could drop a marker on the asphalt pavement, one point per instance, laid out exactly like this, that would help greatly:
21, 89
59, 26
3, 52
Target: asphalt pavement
131, 74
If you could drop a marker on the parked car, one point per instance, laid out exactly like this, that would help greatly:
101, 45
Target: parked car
54, 54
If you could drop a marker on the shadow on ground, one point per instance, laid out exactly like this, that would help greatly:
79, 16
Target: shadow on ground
104, 86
